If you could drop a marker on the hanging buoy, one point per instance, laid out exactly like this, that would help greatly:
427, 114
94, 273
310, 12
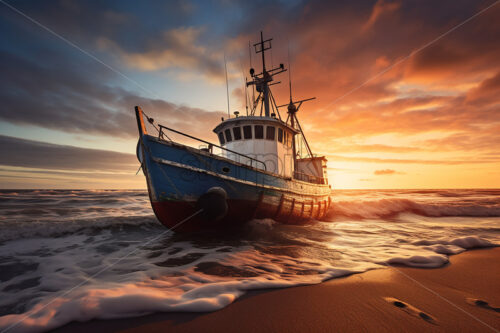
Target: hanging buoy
213, 203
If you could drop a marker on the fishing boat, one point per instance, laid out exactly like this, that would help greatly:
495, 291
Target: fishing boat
262, 166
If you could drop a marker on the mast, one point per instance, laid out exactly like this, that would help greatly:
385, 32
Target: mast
262, 51
265, 86
261, 81
291, 111
293, 107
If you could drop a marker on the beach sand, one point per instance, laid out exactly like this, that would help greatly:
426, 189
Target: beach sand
397, 299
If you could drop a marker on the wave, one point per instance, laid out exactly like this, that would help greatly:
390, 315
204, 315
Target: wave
470, 242
136, 299
442, 248
385, 208
33, 229
206, 286
53, 240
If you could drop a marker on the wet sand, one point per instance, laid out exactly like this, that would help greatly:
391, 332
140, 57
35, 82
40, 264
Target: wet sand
464, 296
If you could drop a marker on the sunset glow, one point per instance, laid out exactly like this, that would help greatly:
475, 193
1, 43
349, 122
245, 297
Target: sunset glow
407, 93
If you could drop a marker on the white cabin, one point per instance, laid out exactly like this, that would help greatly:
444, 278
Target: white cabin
265, 139
312, 169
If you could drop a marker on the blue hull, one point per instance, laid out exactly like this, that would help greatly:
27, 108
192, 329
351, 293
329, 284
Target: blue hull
178, 175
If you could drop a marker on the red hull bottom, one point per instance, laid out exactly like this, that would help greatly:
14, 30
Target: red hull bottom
175, 214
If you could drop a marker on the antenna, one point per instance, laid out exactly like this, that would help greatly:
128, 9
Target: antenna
250, 53
272, 65
246, 96
227, 86
253, 86
262, 50
289, 72
261, 81
244, 86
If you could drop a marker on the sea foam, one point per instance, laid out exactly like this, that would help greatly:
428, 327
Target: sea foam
81, 255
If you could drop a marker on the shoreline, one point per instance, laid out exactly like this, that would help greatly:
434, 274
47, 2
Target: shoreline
450, 298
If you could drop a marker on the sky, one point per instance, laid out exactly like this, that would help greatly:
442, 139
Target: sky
407, 92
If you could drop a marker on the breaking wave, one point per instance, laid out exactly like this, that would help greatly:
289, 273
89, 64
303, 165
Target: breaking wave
124, 263
384, 208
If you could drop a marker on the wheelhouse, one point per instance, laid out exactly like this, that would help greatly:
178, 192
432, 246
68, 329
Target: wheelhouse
280, 145
266, 139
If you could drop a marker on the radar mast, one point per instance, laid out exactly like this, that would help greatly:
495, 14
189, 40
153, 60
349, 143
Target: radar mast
263, 80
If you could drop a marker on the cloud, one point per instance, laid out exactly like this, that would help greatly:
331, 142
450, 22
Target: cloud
441, 100
177, 48
480, 142
74, 97
486, 93
384, 172
84, 23
380, 8
332, 53
470, 50
35, 154
370, 148
49, 84
411, 161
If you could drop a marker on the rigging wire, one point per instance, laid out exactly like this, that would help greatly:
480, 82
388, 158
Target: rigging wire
227, 86
245, 85
289, 72
272, 64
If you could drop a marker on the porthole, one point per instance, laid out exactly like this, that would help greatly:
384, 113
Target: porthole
225, 169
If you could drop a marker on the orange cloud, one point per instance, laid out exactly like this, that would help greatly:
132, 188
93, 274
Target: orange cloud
486, 93
178, 48
386, 172
381, 7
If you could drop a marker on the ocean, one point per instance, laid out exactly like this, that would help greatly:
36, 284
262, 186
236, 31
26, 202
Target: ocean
78, 255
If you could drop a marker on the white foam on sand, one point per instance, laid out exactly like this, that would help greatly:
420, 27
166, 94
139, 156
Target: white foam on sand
134, 287
52, 273
151, 289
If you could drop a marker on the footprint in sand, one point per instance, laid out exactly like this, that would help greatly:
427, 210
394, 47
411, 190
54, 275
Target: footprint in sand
482, 304
410, 309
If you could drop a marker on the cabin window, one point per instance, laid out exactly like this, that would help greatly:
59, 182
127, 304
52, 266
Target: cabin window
237, 133
221, 138
270, 132
259, 132
280, 135
289, 139
228, 135
247, 132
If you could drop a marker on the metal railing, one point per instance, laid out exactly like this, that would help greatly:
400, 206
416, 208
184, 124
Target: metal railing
308, 178
210, 145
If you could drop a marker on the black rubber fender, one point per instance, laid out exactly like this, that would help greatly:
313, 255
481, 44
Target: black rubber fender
213, 203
